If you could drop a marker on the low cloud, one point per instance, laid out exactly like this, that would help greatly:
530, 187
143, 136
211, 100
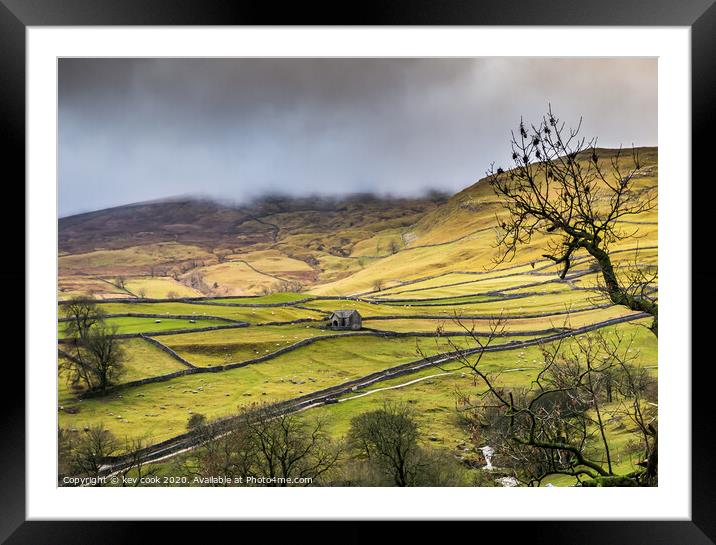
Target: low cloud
141, 129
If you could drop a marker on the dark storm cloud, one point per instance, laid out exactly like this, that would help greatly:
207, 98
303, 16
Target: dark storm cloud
140, 129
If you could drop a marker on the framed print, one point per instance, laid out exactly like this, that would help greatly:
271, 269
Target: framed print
404, 270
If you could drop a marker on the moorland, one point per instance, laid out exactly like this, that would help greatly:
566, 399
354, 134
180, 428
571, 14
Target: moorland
219, 307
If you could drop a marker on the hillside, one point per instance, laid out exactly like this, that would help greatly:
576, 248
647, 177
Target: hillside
459, 236
421, 273
190, 247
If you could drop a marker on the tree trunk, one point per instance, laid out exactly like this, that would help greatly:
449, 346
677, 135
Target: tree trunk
616, 292
651, 477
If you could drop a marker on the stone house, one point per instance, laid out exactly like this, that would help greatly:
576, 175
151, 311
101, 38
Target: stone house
345, 319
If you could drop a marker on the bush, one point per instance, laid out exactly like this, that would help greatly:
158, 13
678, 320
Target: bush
196, 420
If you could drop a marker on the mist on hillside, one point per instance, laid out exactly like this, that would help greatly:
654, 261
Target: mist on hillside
133, 130
288, 202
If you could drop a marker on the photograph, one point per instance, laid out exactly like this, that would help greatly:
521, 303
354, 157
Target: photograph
357, 271
396, 267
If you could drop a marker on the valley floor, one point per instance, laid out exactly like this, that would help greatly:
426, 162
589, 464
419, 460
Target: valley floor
220, 308
213, 356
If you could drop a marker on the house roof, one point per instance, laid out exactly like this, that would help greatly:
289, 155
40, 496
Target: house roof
344, 313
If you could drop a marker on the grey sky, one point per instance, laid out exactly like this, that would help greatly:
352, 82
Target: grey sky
138, 129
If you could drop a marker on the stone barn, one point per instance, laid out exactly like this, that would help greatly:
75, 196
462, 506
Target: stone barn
345, 319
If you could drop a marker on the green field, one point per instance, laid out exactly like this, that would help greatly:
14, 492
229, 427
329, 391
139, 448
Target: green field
226, 346
411, 269
254, 315
143, 360
433, 395
160, 410
263, 299
448, 324
127, 325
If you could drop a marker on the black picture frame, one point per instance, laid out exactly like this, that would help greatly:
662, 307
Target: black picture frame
699, 15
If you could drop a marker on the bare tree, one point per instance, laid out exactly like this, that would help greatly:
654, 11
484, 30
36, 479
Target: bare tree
561, 188
288, 446
274, 448
136, 468
96, 354
638, 393
228, 454
65, 444
388, 440
560, 425
287, 286
89, 452
393, 247
638, 280
80, 315
196, 281
87, 455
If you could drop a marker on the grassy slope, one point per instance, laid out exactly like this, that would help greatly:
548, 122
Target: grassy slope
434, 395
249, 314
436, 247
518, 325
307, 240
145, 325
273, 298
469, 305
143, 360
464, 229
160, 288
161, 409
132, 260
233, 278
227, 346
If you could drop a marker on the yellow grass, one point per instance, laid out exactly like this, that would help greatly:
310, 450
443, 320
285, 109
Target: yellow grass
133, 260
252, 315
437, 249
82, 286
234, 278
275, 262
160, 288
448, 324
142, 360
